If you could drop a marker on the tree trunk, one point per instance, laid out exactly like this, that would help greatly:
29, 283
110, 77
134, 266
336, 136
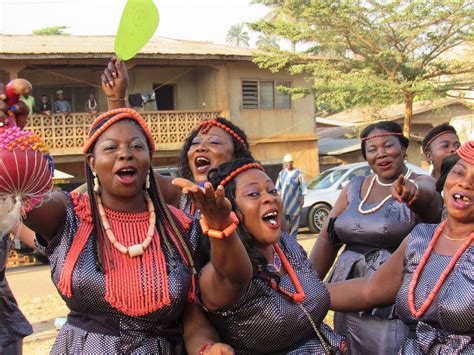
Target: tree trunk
408, 114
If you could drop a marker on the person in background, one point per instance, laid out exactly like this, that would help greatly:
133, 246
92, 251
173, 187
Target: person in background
91, 105
61, 105
290, 184
439, 142
29, 100
44, 106
371, 219
430, 276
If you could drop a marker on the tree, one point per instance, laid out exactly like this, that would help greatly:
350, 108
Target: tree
50, 31
267, 41
373, 52
237, 36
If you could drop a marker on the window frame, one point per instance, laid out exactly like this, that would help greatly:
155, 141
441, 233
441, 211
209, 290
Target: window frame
258, 100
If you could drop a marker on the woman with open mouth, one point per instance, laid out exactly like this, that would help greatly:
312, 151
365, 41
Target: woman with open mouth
121, 258
371, 218
259, 288
429, 276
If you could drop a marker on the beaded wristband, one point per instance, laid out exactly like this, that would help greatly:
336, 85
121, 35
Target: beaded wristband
213, 233
414, 183
204, 347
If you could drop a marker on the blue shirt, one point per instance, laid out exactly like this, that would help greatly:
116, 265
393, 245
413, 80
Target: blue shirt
290, 185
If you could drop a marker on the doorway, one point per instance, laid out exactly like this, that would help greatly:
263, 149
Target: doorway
164, 95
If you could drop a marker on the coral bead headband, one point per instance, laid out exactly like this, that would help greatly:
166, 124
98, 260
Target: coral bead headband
432, 139
466, 152
240, 170
115, 116
206, 125
381, 135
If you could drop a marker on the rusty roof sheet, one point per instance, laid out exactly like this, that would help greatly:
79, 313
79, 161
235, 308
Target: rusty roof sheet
17, 45
391, 112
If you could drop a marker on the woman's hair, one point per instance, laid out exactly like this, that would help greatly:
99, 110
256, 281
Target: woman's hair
215, 176
448, 162
389, 127
165, 221
240, 150
434, 133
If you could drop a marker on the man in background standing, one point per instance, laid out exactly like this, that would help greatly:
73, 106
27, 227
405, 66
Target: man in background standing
61, 105
290, 185
44, 106
92, 105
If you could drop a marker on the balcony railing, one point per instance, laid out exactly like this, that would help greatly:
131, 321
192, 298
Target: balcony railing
66, 135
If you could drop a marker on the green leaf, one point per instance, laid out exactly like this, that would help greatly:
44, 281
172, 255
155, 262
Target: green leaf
139, 22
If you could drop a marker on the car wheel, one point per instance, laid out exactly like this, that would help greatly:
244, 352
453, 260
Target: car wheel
317, 216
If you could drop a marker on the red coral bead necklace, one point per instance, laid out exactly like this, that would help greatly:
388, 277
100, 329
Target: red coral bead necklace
411, 290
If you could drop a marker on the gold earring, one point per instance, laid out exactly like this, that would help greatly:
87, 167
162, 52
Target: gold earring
147, 182
96, 183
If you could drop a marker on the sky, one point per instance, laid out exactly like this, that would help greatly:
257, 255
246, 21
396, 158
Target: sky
201, 20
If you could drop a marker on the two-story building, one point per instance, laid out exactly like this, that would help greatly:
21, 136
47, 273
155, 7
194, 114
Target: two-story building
179, 83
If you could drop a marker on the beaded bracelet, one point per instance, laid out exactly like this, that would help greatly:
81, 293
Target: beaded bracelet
414, 183
204, 347
213, 233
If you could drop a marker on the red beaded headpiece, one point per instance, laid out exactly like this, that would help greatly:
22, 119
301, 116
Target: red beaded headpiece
239, 170
466, 152
206, 125
381, 135
117, 115
427, 146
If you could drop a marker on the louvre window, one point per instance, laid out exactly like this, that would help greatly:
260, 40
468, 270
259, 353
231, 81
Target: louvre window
264, 95
250, 94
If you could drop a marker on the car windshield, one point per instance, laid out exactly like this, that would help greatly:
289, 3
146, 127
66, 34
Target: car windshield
326, 179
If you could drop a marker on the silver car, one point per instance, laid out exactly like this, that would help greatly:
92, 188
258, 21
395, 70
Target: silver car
324, 189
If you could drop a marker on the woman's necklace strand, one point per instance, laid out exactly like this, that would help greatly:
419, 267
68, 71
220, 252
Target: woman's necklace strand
299, 296
133, 250
369, 190
411, 290
453, 239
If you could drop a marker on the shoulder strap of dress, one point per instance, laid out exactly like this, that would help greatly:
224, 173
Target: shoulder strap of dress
354, 189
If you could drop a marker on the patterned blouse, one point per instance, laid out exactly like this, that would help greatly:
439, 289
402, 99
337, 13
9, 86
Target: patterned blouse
94, 325
447, 326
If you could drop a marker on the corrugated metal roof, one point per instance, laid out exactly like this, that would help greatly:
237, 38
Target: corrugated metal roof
334, 146
11, 45
391, 112
61, 175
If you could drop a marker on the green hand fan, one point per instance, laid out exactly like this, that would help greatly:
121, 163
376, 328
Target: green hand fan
139, 22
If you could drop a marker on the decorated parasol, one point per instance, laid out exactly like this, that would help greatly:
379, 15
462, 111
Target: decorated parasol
26, 168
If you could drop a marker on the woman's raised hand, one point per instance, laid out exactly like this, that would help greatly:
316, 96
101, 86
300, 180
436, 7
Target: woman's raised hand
214, 206
115, 83
405, 190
